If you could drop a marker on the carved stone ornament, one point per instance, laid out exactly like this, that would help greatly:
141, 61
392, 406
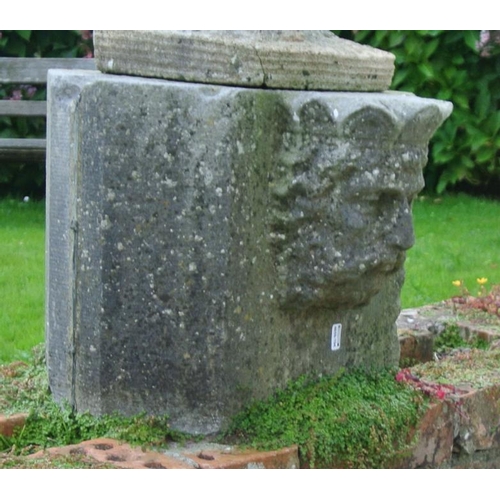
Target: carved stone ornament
347, 174
209, 243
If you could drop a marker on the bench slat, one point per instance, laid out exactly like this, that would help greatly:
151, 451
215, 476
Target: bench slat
34, 69
22, 149
17, 70
23, 108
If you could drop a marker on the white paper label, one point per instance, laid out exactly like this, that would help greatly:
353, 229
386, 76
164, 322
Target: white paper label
336, 333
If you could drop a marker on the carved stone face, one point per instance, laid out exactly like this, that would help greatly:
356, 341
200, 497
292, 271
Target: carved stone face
341, 220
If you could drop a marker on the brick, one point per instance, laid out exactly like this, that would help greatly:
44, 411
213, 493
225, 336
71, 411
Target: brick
285, 458
8, 423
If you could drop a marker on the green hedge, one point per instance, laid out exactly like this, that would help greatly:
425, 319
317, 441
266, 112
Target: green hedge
447, 65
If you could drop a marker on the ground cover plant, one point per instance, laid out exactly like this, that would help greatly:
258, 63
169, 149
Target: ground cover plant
363, 419
475, 368
77, 461
24, 389
452, 339
351, 420
486, 301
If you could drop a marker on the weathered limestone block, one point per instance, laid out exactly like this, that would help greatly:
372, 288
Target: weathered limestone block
290, 59
477, 422
203, 240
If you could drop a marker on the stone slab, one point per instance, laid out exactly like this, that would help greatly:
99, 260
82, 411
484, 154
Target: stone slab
310, 60
204, 240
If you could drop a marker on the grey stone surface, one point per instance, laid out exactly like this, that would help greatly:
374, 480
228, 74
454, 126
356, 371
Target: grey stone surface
316, 60
203, 240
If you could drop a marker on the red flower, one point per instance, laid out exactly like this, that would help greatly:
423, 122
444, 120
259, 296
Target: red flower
440, 394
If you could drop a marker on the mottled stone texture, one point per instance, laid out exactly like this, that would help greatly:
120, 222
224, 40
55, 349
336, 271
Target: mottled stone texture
203, 240
284, 59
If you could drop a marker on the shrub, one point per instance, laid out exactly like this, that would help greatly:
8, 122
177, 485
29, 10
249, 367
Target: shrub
448, 65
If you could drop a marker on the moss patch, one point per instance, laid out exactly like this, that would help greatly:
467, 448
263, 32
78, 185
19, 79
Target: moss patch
452, 338
353, 420
24, 389
469, 367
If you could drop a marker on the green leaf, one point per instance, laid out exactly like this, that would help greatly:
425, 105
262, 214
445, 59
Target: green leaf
444, 94
399, 77
363, 35
468, 163
444, 156
448, 177
460, 78
426, 70
471, 38
485, 154
450, 72
396, 38
24, 34
431, 47
412, 46
15, 47
461, 101
380, 36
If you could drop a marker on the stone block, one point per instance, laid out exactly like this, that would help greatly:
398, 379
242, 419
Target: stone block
479, 420
416, 347
435, 437
204, 241
313, 60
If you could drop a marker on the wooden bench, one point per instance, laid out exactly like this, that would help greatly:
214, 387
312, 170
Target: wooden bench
17, 70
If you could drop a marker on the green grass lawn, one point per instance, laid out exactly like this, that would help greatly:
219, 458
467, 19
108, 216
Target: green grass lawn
457, 238
22, 292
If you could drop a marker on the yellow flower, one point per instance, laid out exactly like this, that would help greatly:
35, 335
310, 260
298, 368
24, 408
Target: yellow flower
482, 281
456, 283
